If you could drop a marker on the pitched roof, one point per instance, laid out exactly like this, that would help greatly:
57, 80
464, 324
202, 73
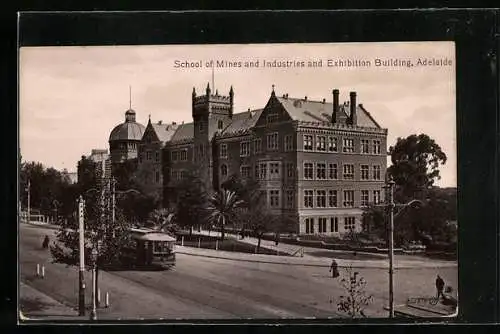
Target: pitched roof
318, 111
242, 122
164, 131
183, 132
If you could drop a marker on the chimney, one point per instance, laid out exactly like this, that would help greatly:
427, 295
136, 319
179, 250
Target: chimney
324, 100
353, 105
305, 98
173, 123
335, 105
159, 122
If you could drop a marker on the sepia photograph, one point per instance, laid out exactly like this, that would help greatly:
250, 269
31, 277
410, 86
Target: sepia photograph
238, 182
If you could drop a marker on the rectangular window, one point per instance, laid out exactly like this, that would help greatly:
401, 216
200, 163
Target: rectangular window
348, 172
157, 156
365, 146
274, 198
334, 224
288, 143
245, 171
274, 170
349, 223
262, 170
321, 171
321, 143
245, 149
376, 172
376, 147
332, 198
256, 171
272, 141
348, 198
365, 197
321, 198
308, 198
332, 144
183, 174
157, 177
289, 169
308, 142
309, 225
332, 171
175, 155
308, 170
376, 196
184, 155
365, 172
148, 155
223, 150
272, 118
201, 127
290, 199
140, 157
322, 225
348, 145
257, 145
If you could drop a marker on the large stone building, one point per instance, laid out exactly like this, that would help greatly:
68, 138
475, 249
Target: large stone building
318, 163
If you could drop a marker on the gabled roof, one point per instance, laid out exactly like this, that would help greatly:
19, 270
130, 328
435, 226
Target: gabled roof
318, 111
164, 132
242, 122
183, 132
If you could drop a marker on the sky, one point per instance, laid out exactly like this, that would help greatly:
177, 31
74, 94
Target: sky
72, 97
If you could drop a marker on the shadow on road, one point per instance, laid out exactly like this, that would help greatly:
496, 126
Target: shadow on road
30, 305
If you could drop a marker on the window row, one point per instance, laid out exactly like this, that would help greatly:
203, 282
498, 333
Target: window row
268, 170
326, 171
273, 198
181, 155
149, 156
177, 175
328, 224
272, 144
330, 198
322, 143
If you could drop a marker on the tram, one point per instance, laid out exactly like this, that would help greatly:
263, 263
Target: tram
149, 248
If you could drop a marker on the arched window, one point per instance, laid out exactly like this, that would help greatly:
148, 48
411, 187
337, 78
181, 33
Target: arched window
223, 170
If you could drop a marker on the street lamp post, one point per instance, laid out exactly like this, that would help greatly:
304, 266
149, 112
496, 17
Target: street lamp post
390, 205
391, 215
29, 199
81, 295
93, 313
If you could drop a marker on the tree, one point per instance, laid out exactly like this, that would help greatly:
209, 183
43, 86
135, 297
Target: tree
222, 207
355, 300
161, 219
415, 164
190, 201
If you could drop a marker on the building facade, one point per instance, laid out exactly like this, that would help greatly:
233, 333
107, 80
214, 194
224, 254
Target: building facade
125, 139
318, 163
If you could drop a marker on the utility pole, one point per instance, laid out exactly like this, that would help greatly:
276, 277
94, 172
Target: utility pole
29, 198
390, 206
81, 294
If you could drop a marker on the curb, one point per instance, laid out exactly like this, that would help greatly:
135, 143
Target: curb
385, 266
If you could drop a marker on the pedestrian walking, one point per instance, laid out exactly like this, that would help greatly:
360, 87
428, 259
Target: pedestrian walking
439, 287
45, 243
334, 269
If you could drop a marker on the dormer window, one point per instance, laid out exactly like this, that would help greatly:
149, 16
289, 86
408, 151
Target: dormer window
220, 125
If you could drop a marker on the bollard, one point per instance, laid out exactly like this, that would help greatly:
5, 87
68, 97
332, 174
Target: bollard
106, 303
37, 270
216, 244
199, 242
43, 271
182, 241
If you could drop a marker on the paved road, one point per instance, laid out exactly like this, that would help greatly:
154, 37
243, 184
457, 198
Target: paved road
209, 288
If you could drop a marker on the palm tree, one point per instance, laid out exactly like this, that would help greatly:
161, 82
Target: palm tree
222, 208
162, 220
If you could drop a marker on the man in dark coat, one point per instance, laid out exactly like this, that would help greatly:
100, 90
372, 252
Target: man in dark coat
334, 269
45, 243
439, 286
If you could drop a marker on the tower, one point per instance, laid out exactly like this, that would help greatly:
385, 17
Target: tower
211, 114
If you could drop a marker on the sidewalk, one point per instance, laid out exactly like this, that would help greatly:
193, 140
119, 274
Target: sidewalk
35, 305
309, 260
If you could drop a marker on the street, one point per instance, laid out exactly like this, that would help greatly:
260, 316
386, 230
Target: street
212, 288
